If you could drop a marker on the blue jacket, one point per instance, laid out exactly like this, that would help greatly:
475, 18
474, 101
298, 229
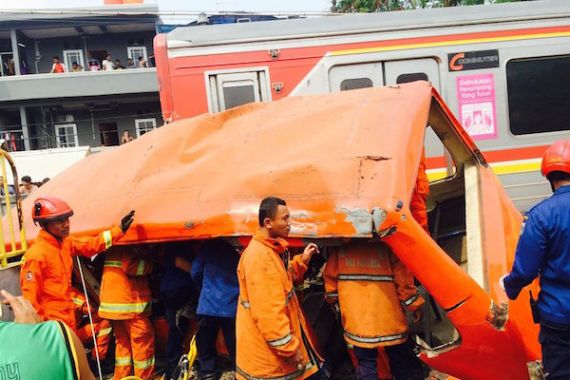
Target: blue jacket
544, 248
173, 278
214, 272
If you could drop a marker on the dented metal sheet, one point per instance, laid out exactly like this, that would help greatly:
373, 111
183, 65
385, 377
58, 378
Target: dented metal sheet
361, 220
327, 155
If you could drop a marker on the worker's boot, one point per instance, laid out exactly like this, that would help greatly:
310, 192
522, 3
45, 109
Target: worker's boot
208, 376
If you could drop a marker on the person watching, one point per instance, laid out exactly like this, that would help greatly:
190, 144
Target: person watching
32, 349
27, 187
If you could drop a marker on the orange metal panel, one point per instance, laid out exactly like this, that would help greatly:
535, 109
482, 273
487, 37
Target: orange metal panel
335, 158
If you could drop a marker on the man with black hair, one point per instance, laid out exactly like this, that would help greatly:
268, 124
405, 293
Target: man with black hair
45, 277
544, 250
214, 273
272, 334
27, 187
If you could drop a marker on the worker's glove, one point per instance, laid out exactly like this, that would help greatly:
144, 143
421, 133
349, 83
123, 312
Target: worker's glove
127, 221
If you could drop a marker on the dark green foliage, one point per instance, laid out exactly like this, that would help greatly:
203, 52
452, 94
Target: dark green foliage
354, 6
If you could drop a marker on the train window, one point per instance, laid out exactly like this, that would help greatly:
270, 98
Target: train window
231, 89
238, 95
538, 94
412, 77
353, 84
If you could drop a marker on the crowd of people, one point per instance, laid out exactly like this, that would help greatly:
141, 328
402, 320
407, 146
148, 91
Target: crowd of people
93, 64
251, 296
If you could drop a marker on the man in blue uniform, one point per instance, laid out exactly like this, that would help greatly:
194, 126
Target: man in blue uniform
214, 272
544, 248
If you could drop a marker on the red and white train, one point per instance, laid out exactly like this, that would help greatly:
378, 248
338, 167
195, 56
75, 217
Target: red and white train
503, 69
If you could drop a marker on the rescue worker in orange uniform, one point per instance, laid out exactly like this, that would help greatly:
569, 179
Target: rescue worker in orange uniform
45, 276
371, 287
273, 339
102, 327
419, 196
126, 301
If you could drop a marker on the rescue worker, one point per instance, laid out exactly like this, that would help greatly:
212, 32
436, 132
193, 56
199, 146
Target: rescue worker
126, 301
543, 249
214, 273
271, 331
45, 276
176, 291
102, 327
372, 287
419, 196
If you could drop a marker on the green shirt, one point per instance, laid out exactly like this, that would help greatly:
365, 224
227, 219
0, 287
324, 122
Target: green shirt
41, 351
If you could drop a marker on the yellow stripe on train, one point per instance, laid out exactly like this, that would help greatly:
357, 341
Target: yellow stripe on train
449, 43
500, 168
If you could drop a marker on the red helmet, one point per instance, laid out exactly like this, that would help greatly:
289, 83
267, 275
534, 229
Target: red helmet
556, 158
50, 208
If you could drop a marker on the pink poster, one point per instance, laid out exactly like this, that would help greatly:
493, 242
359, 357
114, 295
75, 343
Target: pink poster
476, 99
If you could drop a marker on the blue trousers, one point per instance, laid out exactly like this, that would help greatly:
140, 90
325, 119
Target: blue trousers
174, 300
555, 341
404, 363
208, 327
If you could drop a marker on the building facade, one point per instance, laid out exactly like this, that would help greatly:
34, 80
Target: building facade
87, 104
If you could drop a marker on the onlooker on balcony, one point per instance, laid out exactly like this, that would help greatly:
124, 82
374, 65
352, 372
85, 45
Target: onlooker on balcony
93, 64
27, 187
118, 65
57, 67
75, 67
142, 63
126, 137
131, 64
108, 63
10, 188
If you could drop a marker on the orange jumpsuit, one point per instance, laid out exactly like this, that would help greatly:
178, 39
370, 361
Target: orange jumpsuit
45, 276
126, 301
102, 327
372, 287
419, 196
270, 326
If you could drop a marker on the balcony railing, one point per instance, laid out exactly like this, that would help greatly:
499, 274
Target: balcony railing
77, 84
14, 140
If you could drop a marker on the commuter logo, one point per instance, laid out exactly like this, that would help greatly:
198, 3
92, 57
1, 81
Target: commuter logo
472, 60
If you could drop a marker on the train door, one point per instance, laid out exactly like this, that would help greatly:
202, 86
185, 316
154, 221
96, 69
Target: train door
228, 89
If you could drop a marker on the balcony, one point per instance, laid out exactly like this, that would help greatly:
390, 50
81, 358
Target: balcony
77, 84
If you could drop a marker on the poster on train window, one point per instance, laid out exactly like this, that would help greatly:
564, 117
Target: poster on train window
477, 106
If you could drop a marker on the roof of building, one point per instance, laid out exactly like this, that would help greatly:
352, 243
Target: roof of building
63, 22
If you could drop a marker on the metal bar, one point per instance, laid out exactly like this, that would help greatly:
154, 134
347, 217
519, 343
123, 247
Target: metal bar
15, 51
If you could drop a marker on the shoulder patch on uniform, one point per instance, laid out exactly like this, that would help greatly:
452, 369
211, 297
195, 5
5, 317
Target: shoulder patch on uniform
29, 276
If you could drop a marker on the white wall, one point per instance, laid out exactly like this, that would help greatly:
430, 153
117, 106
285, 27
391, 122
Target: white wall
39, 164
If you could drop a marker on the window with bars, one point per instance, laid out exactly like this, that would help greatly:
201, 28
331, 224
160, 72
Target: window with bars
66, 135
144, 126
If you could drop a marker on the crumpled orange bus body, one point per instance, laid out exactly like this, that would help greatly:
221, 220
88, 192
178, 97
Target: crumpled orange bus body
346, 163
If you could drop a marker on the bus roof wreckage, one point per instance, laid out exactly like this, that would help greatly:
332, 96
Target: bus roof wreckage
346, 163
